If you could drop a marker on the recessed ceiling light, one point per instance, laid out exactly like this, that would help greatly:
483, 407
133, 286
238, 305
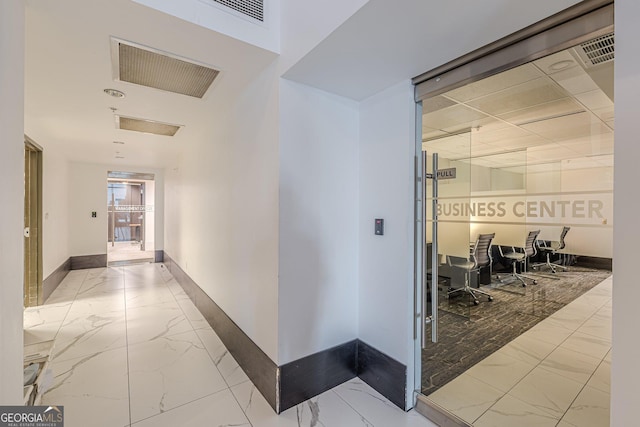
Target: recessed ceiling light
115, 93
561, 65
118, 142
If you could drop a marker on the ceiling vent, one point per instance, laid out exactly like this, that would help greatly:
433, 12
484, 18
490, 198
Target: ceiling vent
597, 51
160, 70
130, 175
146, 126
252, 8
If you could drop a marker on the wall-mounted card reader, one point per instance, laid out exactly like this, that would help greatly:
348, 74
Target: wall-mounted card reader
379, 226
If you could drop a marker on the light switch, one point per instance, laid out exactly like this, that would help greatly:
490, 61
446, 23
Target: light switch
379, 227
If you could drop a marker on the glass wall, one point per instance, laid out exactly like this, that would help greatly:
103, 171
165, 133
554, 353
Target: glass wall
522, 156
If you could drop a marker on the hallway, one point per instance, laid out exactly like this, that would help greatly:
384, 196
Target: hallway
132, 349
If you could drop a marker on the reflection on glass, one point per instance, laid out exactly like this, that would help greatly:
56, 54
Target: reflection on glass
532, 150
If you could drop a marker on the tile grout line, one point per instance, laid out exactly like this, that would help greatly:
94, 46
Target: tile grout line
535, 366
210, 357
209, 354
577, 395
126, 340
351, 406
538, 365
179, 406
583, 388
73, 299
55, 337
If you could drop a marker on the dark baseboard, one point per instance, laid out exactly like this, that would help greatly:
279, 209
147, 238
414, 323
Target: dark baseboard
260, 369
88, 261
54, 279
124, 263
305, 378
384, 374
595, 262
292, 383
159, 256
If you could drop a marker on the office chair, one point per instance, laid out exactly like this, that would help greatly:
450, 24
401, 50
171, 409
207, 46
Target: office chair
551, 248
480, 256
520, 255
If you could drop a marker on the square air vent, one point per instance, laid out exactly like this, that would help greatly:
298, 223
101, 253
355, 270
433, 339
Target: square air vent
160, 70
597, 51
254, 9
146, 126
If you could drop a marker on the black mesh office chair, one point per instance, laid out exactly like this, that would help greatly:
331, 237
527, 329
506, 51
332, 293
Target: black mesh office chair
520, 255
552, 247
480, 256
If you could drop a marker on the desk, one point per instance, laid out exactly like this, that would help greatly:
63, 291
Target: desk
456, 276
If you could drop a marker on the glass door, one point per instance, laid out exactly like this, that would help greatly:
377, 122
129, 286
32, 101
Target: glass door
516, 145
474, 229
447, 228
518, 157
475, 234
126, 208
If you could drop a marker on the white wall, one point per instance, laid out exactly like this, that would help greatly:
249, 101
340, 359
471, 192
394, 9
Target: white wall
12, 196
625, 374
87, 193
55, 210
318, 286
222, 210
387, 151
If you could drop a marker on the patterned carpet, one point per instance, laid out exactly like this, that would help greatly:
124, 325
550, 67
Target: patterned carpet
470, 333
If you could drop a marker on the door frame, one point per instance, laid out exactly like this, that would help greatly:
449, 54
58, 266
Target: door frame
141, 178
32, 285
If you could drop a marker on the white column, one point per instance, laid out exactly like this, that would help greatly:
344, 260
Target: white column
12, 25
625, 375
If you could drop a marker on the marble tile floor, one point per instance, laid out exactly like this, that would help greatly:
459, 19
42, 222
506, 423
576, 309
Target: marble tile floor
127, 251
555, 374
131, 349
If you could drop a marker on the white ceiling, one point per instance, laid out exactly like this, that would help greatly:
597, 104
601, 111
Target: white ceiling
68, 64
389, 41
534, 114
